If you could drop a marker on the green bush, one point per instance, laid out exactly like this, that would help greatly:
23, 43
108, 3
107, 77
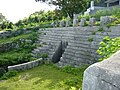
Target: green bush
21, 54
9, 74
73, 70
84, 16
44, 55
108, 46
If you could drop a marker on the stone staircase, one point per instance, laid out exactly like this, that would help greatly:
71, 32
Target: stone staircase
82, 43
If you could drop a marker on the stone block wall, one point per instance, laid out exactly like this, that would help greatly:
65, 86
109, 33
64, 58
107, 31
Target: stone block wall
103, 75
25, 66
82, 43
11, 33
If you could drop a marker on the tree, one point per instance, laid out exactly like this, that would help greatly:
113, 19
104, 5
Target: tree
69, 7
2, 18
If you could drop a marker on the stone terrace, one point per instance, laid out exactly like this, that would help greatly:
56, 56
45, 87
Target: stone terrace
73, 45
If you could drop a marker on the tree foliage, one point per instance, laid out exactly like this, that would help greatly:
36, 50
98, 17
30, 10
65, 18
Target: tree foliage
38, 19
69, 7
2, 18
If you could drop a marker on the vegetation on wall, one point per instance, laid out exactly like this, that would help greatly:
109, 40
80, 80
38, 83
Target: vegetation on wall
22, 52
108, 47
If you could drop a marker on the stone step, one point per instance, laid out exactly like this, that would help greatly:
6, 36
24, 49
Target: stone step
80, 55
76, 61
83, 52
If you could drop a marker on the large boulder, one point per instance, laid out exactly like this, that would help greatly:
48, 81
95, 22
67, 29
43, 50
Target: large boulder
103, 75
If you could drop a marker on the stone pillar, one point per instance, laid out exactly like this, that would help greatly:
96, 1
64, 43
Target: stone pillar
83, 22
108, 5
92, 21
75, 22
92, 5
67, 23
119, 2
56, 23
62, 23
53, 24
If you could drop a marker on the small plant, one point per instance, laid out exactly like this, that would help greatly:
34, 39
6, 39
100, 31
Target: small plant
93, 33
90, 39
101, 29
44, 33
74, 82
9, 75
44, 55
97, 23
44, 43
84, 16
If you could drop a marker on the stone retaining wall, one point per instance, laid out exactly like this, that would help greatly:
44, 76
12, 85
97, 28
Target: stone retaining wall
11, 33
82, 43
4, 47
103, 75
25, 66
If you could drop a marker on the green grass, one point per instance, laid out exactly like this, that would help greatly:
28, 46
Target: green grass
44, 77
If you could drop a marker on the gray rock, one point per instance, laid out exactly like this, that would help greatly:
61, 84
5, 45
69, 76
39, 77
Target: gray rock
103, 75
106, 20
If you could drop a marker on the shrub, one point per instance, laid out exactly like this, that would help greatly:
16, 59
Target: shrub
44, 55
73, 70
84, 16
9, 74
90, 39
108, 46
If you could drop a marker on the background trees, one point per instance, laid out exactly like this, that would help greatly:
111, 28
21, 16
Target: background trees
70, 7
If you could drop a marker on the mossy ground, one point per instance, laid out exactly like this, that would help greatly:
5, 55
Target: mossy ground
43, 77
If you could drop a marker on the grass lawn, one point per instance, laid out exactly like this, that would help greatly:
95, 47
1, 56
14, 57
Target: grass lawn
44, 77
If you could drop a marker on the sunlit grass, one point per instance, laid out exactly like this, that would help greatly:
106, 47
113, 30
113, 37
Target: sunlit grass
44, 77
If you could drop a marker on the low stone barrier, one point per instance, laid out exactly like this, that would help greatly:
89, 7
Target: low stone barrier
25, 66
103, 75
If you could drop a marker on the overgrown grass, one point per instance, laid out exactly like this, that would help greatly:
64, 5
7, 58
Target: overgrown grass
15, 57
20, 54
31, 35
45, 77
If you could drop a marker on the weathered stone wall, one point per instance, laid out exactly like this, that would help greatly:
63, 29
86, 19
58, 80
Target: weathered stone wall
103, 75
82, 43
11, 33
13, 45
25, 66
